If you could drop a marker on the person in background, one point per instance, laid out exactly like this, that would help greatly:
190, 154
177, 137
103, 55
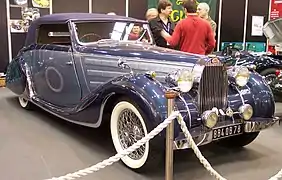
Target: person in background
203, 10
162, 21
151, 14
193, 34
135, 33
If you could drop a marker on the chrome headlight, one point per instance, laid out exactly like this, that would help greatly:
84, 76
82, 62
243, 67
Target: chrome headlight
242, 75
210, 118
246, 111
185, 80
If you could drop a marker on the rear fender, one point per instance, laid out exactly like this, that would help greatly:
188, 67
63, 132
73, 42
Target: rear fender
15, 76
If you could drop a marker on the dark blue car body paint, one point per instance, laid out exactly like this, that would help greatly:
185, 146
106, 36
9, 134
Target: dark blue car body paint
90, 75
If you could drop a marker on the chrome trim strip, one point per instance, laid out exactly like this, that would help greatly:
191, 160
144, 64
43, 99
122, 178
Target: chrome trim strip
66, 119
92, 125
187, 108
104, 73
255, 126
240, 94
95, 83
136, 60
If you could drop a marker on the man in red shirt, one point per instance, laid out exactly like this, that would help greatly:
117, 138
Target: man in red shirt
193, 34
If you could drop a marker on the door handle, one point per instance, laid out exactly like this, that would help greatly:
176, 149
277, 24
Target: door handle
69, 63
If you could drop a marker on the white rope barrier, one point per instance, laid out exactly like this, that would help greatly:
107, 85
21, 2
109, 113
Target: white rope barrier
202, 159
121, 154
196, 150
277, 176
144, 140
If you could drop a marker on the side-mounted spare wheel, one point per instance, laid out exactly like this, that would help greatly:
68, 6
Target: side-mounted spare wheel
128, 125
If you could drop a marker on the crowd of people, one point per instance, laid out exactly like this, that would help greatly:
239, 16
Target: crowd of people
194, 34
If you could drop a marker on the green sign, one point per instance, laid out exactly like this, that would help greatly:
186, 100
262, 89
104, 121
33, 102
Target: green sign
250, 46
178, 14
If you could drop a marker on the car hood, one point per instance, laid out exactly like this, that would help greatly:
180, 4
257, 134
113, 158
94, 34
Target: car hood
272, 31
143, 51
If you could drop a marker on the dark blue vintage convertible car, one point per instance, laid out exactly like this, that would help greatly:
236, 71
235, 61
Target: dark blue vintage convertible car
94, 69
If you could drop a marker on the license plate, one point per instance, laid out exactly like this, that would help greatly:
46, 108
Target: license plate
227, 131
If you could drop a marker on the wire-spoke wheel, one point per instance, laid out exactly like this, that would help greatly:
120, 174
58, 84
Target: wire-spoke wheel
127, 127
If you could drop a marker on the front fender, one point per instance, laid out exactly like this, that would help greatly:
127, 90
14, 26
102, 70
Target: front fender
147, 93
256, 93
262, 95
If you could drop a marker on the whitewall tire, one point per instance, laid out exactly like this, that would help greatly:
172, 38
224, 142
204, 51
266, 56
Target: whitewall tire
24, 103
127, 127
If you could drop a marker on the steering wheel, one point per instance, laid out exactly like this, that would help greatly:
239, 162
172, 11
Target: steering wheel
90, 37
230, 51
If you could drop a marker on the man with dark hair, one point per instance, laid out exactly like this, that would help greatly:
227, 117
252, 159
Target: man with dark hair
162, 22
135, 32
193, 34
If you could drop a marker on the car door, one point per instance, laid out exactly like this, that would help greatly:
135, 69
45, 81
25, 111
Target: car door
54, 76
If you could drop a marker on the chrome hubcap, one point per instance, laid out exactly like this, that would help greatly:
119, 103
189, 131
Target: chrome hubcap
130, 130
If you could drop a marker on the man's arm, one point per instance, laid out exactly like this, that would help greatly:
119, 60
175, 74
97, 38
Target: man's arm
155, 27
213, 25
210, 40
173, 39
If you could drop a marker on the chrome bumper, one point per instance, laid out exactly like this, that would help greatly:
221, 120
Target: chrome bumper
259, 124
201, 136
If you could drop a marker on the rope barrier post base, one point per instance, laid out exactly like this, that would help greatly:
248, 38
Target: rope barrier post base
170, 95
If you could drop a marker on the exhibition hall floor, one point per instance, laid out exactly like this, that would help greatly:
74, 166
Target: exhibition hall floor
35, 145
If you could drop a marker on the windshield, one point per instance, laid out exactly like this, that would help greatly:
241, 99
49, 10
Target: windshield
95, 32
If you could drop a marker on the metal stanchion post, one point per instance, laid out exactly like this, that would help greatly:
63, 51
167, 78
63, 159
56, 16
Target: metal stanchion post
170, 95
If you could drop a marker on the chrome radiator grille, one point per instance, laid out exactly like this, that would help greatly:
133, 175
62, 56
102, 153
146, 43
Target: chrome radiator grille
213, 87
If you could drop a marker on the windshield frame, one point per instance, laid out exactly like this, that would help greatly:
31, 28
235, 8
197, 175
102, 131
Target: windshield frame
75, 33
